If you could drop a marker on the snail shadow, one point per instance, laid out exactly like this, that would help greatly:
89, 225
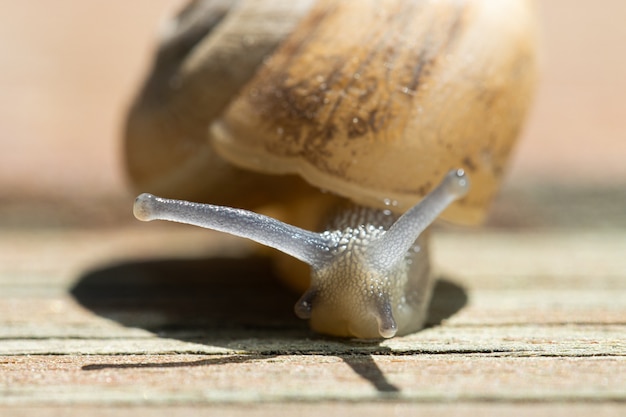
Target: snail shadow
220, 301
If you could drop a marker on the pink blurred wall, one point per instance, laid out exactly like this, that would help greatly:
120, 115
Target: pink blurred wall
68, 69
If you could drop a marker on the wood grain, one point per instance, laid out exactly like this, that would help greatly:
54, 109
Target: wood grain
145, 317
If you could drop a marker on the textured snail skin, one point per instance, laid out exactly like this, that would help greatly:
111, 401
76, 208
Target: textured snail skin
353, 299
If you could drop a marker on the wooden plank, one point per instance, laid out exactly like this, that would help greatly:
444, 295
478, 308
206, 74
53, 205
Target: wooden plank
563, 341
492, 296
141, 317
577, 257
177, 379
142, 308
361, 409
52, 257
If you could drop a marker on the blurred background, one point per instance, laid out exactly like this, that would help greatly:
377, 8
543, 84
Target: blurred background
69, 69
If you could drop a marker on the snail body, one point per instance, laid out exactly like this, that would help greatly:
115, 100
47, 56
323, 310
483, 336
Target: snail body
389, 104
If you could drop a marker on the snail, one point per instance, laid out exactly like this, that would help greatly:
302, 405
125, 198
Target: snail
365, 118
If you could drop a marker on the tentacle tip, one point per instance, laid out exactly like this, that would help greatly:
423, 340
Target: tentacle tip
387, 332
302, 310
143, 207
387, 326
457, 182
304, 306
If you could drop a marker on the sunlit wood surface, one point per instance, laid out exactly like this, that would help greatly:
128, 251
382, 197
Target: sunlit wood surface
144, 316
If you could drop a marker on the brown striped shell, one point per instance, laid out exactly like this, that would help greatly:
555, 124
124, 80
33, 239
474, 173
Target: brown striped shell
373, 100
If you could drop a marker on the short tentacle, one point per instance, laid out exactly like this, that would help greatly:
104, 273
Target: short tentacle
387, 326
304, 306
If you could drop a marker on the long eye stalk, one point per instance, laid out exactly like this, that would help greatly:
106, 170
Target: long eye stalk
302, 244
393, 245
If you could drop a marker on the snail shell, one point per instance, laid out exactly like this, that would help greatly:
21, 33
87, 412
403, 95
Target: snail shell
374, 101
